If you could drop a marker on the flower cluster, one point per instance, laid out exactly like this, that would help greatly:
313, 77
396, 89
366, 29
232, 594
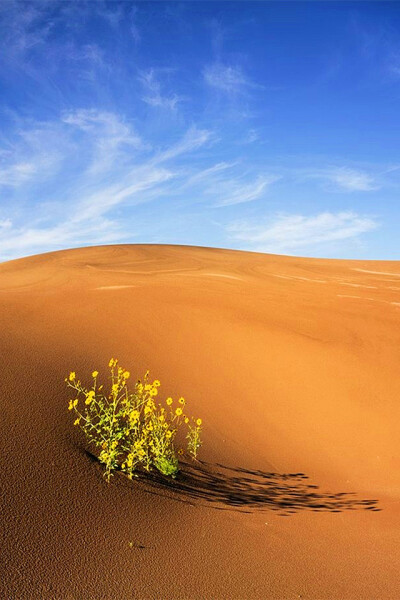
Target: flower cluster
132, 429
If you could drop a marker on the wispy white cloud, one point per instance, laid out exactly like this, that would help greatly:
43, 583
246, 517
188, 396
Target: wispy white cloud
109, 136
103, 123
22, 30
153, 96
87, 62
34, 154
90, 216
193, 139
113, 14
87, 209
343, 179
236, 192
227, 78
251, 137
5, 223
19, 241
292, 232
134, 29
139, 180
16, 174
208, 175
352, 180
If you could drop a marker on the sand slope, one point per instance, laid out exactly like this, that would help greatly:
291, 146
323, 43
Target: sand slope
292, 363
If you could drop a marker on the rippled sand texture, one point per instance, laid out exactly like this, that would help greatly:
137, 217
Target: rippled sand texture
293, 365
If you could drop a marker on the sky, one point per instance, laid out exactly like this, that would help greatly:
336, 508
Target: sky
263, 126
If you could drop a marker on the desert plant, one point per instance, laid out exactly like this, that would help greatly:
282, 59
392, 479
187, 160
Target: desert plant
194, 437
131, 429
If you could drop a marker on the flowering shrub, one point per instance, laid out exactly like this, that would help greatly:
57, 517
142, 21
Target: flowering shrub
130, 429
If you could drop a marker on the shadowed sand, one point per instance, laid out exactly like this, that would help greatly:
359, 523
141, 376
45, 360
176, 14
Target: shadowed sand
293, 365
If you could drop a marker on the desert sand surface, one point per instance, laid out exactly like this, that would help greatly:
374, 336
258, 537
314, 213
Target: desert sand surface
293, 365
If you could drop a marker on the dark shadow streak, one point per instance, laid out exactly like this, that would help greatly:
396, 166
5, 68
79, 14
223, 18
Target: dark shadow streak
236, 488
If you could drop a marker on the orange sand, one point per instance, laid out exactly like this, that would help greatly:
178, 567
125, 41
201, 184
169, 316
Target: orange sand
293, 365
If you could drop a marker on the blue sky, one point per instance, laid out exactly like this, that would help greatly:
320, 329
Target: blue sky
263, 126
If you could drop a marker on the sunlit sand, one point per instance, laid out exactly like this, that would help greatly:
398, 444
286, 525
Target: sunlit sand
297, 490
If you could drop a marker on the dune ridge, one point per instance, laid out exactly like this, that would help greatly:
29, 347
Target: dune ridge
293, 365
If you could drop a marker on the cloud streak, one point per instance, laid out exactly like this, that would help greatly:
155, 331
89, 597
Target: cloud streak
351, 180
237, 192
227, 78
343, 179
153, 96
109, 133
293, 232
106, 165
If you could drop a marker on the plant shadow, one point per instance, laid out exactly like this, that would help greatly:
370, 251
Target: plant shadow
235, 488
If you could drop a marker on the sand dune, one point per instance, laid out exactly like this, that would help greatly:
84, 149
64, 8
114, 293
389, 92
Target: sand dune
297, 383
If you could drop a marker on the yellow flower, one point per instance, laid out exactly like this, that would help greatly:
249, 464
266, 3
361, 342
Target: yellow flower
134, 415
126, 375
147, 410
169, 401
76, 422
181, 400
115, 388
88, 399
75, 402
95, 373
72, 376
161, 418
113, 362
168, 434
156, 383
153, 392
186, 420
178, 412
70, 405
199, 422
